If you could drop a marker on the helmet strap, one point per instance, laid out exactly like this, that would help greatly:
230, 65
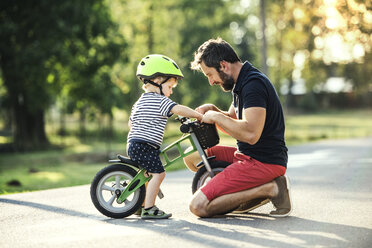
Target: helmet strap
148, 81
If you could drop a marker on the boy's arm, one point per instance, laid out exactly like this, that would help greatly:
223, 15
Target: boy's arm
186, 112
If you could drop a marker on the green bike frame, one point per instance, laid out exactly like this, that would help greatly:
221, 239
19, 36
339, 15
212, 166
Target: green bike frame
141, 178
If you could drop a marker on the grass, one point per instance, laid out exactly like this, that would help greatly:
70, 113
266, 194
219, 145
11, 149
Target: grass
45, 170
328, 125
81, 160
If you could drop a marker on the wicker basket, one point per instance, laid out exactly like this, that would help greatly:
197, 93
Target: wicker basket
207, 135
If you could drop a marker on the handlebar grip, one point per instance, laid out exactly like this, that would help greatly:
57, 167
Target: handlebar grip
184, 128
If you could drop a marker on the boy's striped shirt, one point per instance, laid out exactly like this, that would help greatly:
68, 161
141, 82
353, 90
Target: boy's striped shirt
149, 116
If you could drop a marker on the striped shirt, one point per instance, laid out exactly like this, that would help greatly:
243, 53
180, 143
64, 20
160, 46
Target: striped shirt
149, 116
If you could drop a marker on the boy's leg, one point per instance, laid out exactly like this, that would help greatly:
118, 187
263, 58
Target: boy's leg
153, 188
150, 211
148, 157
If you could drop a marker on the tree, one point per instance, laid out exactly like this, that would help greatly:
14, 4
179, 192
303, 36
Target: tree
312, 36
41, 42
175, 28
264, 42
206, 23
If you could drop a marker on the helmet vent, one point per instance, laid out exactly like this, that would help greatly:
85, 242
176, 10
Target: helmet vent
165, 58
147, 57
175, 65
142, 63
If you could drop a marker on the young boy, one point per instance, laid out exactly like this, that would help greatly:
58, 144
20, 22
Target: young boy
147, 122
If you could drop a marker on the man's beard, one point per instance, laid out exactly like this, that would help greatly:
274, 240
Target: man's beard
227, 81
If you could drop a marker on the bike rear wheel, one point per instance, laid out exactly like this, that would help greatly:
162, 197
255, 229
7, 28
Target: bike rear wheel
108, 184
202, 175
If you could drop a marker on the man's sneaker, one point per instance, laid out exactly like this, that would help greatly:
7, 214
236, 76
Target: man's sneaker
282, 201
154, 213
250, 205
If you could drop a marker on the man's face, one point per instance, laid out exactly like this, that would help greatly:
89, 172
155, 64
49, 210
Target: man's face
225, 81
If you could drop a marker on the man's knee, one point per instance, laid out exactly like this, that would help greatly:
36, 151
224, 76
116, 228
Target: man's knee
191, 160
199, 204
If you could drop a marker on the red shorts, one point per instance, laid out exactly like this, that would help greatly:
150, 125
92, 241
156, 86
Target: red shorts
243, 173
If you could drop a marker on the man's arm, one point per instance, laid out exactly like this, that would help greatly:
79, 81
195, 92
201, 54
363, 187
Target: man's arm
248, 130
231, 112
208, 106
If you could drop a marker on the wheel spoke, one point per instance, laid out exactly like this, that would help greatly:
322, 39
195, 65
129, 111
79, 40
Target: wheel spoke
108, 188
117, 181
112, 199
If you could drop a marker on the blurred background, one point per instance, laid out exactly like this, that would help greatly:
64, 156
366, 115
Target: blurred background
67, 73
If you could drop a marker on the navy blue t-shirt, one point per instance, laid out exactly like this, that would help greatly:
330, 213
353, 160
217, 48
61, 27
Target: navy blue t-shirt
254, 89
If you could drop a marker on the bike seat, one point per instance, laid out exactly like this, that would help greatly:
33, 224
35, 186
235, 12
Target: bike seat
127, 160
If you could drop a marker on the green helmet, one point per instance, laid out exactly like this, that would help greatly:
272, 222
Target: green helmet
155, 65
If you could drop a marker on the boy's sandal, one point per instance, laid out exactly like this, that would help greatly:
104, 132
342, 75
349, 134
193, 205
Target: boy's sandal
154, 213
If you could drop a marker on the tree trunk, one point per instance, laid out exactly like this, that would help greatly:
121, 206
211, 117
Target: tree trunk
29, 127
150, 31
82, 127
110, 135
290, 102
265, 69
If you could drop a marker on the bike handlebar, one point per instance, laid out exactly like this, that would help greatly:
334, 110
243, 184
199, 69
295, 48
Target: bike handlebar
186, 124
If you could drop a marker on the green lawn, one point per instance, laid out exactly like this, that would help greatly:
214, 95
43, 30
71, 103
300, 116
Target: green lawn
77, 164
328, 125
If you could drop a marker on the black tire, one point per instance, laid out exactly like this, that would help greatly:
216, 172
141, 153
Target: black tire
202, 175
103, 195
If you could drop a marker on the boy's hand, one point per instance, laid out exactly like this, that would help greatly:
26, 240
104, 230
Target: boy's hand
199, 117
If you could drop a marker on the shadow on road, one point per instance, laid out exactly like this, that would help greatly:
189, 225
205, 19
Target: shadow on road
258, 229
309, 233
49, 208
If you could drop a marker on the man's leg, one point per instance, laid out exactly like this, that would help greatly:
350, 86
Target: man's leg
282, 201
192, 160
224, 153
251, 205
202, 207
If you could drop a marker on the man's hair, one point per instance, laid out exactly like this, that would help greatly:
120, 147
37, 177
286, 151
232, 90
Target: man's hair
212, 52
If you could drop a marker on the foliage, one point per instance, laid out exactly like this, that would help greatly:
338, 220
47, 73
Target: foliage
81, 56
78, 164
174, 28
44, 48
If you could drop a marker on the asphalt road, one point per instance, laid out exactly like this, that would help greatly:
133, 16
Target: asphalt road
331, 190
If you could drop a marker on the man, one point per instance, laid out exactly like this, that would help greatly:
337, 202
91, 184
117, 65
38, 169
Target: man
255, 119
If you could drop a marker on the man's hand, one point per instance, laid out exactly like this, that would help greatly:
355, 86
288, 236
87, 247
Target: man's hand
211, 116
205, 107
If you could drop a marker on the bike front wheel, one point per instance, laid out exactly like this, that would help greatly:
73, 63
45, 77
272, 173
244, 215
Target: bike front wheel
108, 184
202, 175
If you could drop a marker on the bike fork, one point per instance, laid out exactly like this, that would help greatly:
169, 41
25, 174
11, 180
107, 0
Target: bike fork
202, 154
